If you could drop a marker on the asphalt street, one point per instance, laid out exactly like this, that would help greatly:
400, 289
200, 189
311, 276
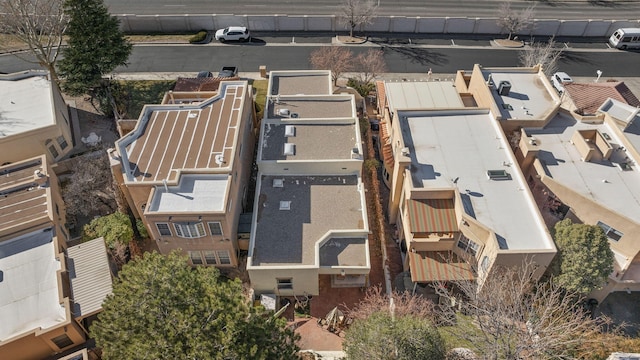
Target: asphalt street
401, 55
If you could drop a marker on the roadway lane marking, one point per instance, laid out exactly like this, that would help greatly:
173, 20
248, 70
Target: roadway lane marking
174, 5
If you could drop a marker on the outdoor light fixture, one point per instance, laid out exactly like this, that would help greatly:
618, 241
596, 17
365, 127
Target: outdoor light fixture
343, 273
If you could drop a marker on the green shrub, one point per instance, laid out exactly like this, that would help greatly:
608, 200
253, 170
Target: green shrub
199, 37
362, 88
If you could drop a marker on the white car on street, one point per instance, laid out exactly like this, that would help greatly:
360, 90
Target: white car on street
232, 33
560, 79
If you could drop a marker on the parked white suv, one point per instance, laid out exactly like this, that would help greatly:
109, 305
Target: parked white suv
233, 33
560, 79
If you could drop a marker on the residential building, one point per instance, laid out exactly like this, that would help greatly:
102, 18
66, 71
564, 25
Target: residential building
36, 119
309, 222
184, 170
457, 197
586, 168
42, 304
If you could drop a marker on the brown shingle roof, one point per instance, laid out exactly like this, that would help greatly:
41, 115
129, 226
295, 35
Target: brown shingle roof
589, 97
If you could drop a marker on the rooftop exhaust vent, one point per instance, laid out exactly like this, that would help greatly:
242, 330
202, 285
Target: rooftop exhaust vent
285, 205
278, 183
284, 112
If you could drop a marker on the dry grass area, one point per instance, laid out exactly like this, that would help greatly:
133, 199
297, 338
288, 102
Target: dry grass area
509, 43
10, 43
160, 38
351, 39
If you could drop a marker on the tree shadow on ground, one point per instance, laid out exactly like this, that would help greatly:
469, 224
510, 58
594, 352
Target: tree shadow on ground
574, 58
417, 55
604, 3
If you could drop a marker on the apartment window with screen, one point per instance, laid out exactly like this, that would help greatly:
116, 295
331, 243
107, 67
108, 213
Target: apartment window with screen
196, 257
62, 341
53, 151
467, 245
163, 229
223, 256
62, 142
285, 284
190, 230
215, 227
611, 233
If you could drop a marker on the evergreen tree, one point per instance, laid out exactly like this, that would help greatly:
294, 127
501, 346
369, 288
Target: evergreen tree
161, 308
584, 260
96, 46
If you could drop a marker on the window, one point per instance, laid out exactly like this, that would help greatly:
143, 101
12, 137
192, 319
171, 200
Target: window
163, 229
468, 245
209, 257
53, 151
62, 341
196, 257
62, 142
215, 227
285, 284
189, 230
485, 263
611, 233
223, 256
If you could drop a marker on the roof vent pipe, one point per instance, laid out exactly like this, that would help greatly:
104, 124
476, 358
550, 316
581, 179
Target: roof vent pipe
164, 182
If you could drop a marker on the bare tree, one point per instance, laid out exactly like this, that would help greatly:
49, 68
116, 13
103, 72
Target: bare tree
513, 316
357, 13
338, 59
543, 53
39, 24
404, 304
512, 21
370, 64
90, 188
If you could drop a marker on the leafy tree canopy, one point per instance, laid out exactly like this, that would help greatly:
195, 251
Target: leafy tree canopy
584, 259
96, 46
114, 228
163, 309
403, 337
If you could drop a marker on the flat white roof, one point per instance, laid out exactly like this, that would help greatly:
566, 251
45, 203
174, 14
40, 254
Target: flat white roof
29, 296
457, 148
423, 95
25, 104
620, 192
195, 192
528, 97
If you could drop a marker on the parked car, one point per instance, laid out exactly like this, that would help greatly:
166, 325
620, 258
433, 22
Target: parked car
228, 71
560, 79
204, 74
233, 33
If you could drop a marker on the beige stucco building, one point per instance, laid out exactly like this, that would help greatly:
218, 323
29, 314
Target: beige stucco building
457, 196
35, 118
589, 164
43, 296
310, 219
184, 170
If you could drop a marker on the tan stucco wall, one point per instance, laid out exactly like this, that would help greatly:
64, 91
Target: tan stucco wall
305, 280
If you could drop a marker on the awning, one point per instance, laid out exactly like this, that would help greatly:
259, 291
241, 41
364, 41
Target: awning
90, 276
432, 216
429, 266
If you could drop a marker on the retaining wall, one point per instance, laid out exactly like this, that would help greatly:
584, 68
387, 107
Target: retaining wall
390, 24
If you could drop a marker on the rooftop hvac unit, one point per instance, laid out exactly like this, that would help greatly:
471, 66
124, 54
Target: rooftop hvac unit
284, 112
289, 130
504, 88
285, 205
278, 183
289, 149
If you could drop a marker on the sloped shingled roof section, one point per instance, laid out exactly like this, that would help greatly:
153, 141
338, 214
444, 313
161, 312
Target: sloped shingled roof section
589, 97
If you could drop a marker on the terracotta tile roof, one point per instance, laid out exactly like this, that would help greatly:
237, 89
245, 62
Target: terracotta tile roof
387, 151
588, 97
382, 95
